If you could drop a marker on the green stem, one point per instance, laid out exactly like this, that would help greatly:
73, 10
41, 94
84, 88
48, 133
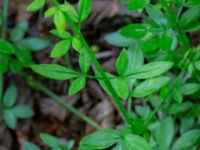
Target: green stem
180, 9
38, 86
162, 100
100, 70
55, 2
153, 113
5, 15
129, 104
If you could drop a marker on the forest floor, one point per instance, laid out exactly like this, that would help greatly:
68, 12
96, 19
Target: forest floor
107, 16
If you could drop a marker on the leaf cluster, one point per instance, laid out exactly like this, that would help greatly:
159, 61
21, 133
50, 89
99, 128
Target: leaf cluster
157, 65
53, 142
16, 54
11, 111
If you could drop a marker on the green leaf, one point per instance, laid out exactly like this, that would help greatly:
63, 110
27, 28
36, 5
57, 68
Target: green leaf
186, 124
189, 16
135, 61
187, 140
50, 140
70, 144
6, 47
60, 21
135, 142
76, 44
30, 146
4, 62
191, 3
61, 48
197, 65
34, 43
121, 146
70, 10
177, 96
23, 111
121, 88
54, 71
190, 88
116, 39
194, 26
61, 34
150, 45
135, 31
50, 12
24, 55
177, 108
166, 40
19, 31
164, 92
166, 133
138, 125
16, 66
35, 5
122, 62
137, 4
150, 86
77, 85
194, 111
84, 62
150, 70
84, 8
10, 118
143, 111
156, 15
101, 139
10, 96
176, 92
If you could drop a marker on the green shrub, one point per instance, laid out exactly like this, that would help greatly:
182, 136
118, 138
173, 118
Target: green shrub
169, 82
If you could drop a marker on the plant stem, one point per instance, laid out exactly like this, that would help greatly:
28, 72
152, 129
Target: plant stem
162, 100
38, 86
55, 2
100, 70
5, 15
180, 9
153, 113
129, 104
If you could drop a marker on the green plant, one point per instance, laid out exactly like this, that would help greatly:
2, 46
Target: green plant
162, 41
12, 57
53, 142
11, 112
16, 55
